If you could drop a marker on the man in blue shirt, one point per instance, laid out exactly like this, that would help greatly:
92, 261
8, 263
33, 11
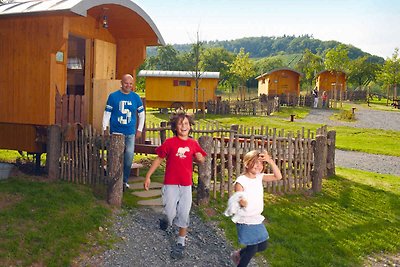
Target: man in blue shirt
120, 115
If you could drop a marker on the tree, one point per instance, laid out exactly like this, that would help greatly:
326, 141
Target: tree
242, 68
166, 59
362, 71
309, 65
216, 59
267, 64
337, 60
390, 73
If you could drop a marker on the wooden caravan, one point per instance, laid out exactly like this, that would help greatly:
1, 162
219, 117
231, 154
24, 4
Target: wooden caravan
75, 49
330, 80
174, 89
279, 81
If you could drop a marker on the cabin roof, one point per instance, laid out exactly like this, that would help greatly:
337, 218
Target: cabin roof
279, 69
79, 7
177, 74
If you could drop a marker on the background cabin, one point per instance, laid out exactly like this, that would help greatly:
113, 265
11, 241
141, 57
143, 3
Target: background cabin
279, 81
334, 83
174, 89
75, 51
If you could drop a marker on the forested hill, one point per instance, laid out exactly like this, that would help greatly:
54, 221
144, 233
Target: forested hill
260, 47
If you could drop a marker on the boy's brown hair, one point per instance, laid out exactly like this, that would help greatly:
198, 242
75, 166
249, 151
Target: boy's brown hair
178, 117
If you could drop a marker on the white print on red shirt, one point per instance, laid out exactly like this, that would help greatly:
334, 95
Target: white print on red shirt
181, 152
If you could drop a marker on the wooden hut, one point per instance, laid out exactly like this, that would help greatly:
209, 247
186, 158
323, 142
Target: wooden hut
279, 81
330, 80
174, 89
74, 48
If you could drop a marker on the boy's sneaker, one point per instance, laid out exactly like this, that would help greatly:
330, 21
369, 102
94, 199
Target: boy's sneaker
163, 224
126, 185
177, 251
235, 257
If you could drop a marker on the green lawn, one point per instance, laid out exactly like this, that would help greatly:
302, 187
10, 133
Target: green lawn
46, 223
357, 214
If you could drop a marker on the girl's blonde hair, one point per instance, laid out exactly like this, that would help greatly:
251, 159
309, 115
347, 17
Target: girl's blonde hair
250, 159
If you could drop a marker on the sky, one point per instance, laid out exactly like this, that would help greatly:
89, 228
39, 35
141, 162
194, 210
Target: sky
371, 25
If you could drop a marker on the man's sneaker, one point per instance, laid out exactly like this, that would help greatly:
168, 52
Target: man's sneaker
126, 185
163, 224
235, 257
177, 251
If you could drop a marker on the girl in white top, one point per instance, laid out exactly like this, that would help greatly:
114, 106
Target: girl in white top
250, 227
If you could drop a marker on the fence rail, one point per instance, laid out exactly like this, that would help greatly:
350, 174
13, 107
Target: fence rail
294, 153
304, 157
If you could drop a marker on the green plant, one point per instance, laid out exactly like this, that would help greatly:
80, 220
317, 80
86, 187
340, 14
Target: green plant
345, 115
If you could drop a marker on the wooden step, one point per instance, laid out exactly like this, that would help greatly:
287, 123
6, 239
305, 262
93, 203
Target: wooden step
149, 193
153, 185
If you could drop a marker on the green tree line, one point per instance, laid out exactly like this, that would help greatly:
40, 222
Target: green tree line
239, 66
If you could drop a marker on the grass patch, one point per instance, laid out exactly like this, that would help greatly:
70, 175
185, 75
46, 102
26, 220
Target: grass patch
356, 215
48, 223
344, 115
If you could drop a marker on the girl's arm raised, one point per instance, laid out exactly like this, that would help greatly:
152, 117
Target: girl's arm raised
276, 173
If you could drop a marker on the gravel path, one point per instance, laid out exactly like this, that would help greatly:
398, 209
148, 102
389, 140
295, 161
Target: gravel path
365, 118
144, 244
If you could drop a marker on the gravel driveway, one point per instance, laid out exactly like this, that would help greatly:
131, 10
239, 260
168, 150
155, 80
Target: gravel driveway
365, 118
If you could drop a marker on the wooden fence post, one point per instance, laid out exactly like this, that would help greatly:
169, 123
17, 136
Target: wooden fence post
53, 152
319, 162
330, 160
116, 162
203, 188
163, 132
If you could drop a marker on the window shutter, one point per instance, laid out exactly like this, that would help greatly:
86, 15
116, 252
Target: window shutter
188, 83
176, 83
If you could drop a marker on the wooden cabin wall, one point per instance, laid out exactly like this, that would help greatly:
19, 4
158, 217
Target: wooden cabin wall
161, 92
287, 83
325, 80
20, 137
131, 53
25, 84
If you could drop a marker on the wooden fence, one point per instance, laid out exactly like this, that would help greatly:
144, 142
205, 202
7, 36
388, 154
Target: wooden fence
81, 155
86, 157
70, 109
294, 153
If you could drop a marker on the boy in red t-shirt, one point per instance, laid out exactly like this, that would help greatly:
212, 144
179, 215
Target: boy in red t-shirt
179, 152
